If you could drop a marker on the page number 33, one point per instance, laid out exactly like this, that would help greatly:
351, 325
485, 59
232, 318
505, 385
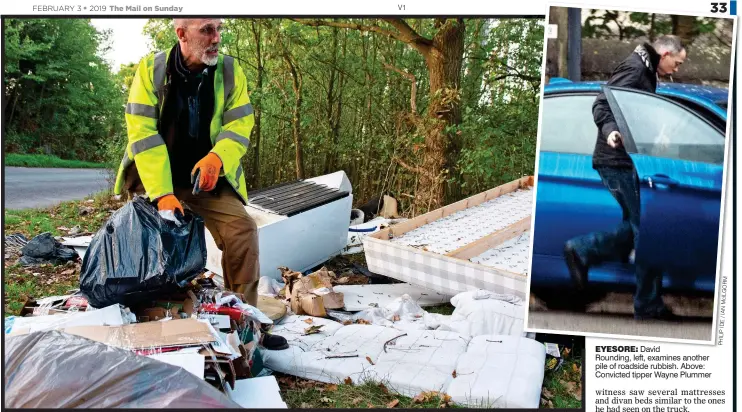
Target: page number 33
718, 7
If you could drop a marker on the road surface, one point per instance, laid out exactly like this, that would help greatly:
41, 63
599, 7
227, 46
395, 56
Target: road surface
590, 323
27, 187
614, 315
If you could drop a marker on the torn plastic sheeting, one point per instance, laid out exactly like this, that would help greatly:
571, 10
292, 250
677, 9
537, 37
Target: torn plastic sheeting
360, 297
269, 287
111, 315
86, 374
482, 313
499, 372
402, 313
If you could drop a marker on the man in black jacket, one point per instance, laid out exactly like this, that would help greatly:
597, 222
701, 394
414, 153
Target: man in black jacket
641, 70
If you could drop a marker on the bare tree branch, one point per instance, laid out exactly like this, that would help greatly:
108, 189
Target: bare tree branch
411, 78
410, 36
413, 169
406, 34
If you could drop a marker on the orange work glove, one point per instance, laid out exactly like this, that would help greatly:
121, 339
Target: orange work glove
210, 166
170, 202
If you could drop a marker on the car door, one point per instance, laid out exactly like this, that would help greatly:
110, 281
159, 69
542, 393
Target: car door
679, 157
570, 198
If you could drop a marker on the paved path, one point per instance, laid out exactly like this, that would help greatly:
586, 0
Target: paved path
26, 187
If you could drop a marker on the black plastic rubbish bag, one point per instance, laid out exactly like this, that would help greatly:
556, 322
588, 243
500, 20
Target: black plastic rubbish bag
53, 369
137, 255
45, 249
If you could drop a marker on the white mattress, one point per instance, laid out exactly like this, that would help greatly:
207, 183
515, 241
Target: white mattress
511, 255
495, 370
466, 226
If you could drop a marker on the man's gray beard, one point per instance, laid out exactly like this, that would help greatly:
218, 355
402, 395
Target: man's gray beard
209, 61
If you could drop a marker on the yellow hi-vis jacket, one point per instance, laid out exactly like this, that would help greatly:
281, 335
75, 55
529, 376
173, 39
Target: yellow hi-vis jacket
230, 126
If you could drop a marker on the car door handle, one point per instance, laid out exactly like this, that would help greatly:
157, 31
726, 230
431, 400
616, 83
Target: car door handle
660, 179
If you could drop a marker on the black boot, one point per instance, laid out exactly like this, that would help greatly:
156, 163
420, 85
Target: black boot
577, 269
663, 314
274, 342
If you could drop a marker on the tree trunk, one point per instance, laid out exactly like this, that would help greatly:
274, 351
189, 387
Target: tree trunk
12, 108
259, 86
684, 27
652, 28
330, 159
444, 70
296, 118
562, 19
443, 57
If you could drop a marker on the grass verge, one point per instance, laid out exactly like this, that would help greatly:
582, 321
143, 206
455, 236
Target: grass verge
562, 389
38, 160
88, 214
303, 393
37, 282
83, 216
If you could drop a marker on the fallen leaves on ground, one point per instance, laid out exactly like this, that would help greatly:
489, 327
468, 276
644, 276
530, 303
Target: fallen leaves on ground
348, 381
395, 318
331, 387
572, 388
546, 393
326, 400
313, 329
454, 374
305, 405
309, 321
565, 352
393, 403
356, 401
368, 358
423, 397
381, 385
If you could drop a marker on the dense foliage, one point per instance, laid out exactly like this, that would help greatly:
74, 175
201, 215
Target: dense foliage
60, 96
371, 97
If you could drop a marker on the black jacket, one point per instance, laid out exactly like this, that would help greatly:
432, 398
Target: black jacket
185, 150
638, 71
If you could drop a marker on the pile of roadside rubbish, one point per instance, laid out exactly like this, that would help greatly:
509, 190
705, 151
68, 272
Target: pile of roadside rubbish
147, 310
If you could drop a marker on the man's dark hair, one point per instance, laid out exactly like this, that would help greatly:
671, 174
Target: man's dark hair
669, 43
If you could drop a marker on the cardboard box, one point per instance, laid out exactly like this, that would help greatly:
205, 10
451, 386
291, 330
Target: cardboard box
165, 308
176, 332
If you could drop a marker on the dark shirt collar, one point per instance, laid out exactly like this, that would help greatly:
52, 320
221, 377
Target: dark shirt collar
654, 57
180, 66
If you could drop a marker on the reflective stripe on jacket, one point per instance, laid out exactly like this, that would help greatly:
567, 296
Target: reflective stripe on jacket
230, 126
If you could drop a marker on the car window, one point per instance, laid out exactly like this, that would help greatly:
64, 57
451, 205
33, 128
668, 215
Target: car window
663, 129
567, 124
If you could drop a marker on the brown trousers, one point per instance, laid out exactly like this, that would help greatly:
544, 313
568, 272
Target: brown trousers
235, 234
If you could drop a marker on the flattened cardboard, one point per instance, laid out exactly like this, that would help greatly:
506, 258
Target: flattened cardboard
177, 332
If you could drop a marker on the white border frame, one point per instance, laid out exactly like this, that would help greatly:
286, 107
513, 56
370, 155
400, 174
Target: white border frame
724, 189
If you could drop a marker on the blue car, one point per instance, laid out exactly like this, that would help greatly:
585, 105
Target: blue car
676, 139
